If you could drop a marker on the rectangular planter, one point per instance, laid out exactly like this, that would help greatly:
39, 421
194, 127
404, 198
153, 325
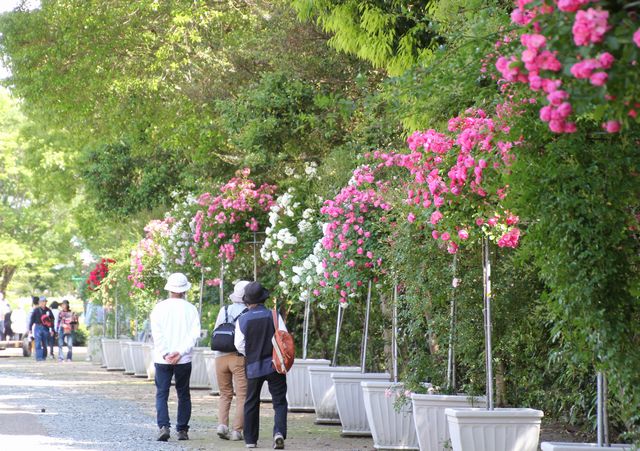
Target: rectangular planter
125, 350
351, 402
147, 350
210, 365
112, 354
298, 386
431, 422
390, 429
199, 377
137, 356
476, 429
556, 446
323, 392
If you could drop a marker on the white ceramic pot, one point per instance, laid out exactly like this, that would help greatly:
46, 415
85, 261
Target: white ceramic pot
351, 402
476, 429
137, 356
147, 350
323, 392
199, 376
556, 446
298, 387
125, 350
431, 422
112, 354
391, 429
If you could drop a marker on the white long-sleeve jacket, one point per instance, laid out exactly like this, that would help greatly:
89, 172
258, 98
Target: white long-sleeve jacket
175, 326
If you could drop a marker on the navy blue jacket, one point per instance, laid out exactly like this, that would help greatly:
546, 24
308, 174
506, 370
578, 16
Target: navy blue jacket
257, 327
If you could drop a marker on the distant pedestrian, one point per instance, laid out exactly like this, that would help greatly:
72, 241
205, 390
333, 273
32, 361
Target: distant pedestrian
175, 327
254, 331
4, 309
230, 370
67, 325
55, 310
42, 322
7, 333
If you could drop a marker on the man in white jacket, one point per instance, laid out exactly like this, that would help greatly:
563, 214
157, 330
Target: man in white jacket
175, 328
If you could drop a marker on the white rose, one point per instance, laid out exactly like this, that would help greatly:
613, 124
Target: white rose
295, 279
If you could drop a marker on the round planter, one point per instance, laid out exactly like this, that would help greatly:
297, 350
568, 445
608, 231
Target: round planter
431, 422
112, 354
556, 446
147, 350
210, 365
298, 387
351, 402
476, 429
199, 377
323, 392
125, 350
137, 356
390, 429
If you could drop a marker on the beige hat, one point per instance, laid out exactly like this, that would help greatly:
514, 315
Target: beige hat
238, 292
177, 283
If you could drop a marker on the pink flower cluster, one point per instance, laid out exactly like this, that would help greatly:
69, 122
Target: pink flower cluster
571, 6
223, 217
590, 26
146, 248
350, 235
587, 68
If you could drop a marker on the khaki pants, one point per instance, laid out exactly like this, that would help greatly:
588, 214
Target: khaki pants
230, 374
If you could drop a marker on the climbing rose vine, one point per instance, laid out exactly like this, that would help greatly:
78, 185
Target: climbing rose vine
98, 273
578, 58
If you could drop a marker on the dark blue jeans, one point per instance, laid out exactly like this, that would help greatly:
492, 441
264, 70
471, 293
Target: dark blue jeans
164, 373
278, 389
42, 336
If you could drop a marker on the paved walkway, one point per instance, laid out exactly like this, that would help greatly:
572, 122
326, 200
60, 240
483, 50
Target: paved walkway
79, 406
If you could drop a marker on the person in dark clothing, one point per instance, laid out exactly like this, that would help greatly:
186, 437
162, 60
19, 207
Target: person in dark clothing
254, 331
43, 320
8, 332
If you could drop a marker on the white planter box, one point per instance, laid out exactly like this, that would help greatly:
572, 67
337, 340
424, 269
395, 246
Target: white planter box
555, 446
125, 350
147, 350
137, 356
94, 350
494, 430
390, 429
199, 377
323, 392
210, 365
351, 402
298, 386
112, 354
431, 422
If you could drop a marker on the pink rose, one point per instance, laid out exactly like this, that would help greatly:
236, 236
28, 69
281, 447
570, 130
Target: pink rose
599, 78
435, 217
606, 60
445, 236
590, 26
411, 217
636, 37
463, 234
611, 126
435, 234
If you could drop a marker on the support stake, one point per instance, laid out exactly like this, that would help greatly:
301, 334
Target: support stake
365, 337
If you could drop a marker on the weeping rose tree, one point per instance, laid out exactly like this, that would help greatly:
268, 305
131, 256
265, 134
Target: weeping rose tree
457, 190
579, 60
225, 221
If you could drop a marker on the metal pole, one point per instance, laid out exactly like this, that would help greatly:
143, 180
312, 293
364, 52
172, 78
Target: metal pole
338, 327
221, 283
201, 291
255, 258
365, 337
599, 428
115, 326
486, 270
451, 366
305, 327
605, 413
394, 337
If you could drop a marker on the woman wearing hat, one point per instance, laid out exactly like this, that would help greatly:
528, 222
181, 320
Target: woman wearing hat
230, 370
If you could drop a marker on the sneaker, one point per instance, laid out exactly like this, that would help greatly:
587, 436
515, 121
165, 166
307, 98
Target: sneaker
163, 434
250, 445
223, 431
278, 441
236, 435
183, 435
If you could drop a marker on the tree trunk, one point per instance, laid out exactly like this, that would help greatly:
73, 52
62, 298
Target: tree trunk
6, 274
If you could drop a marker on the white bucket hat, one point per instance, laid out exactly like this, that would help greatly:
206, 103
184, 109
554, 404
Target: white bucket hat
238, 292
177, 283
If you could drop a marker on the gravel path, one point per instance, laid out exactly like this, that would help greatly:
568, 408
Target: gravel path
89, 408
